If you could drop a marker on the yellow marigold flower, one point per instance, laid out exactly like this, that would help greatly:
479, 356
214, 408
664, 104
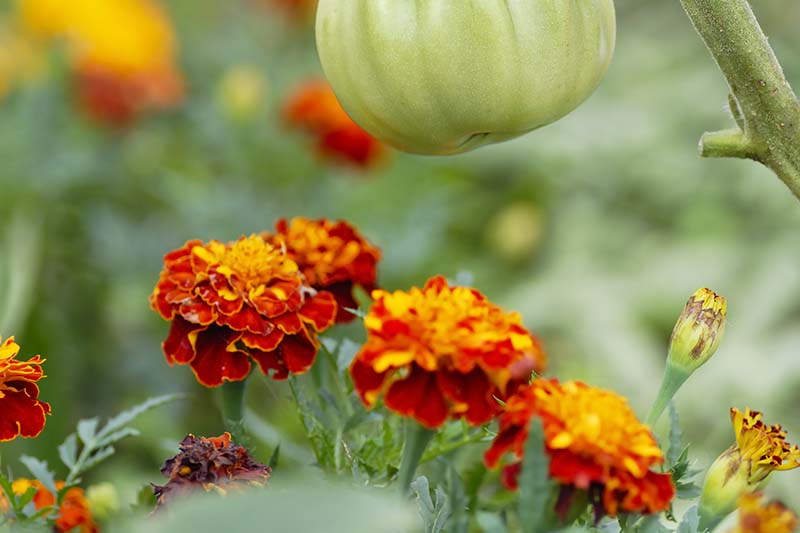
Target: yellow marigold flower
756, 515
21, 412
123, 52
698, 331
230, 303
758, 451
595, 443
443, 351
333, 256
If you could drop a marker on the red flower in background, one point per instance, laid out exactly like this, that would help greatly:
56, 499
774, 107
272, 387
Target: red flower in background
333, 256
442, 351
313, 107
595, 444
21, 412
229, 303
299, 10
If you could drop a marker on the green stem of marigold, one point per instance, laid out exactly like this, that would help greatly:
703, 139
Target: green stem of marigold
672, 380
233, 410
417, 439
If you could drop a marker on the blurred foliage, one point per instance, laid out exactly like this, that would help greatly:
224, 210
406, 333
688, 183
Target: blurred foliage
595, 228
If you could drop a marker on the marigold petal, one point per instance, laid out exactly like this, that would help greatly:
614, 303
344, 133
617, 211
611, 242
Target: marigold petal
269, 361
197, 313
343, 294
419, 397
288, 323
247, 319
22, 415
473, 390
266, 343
366, 381
298, 352
217, 360
178, 347
320, 310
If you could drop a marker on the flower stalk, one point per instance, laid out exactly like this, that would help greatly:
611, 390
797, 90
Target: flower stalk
763, 103
233, 409
417, 439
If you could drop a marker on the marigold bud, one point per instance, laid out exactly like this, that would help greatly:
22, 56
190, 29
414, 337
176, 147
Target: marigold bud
103, 500
698, 331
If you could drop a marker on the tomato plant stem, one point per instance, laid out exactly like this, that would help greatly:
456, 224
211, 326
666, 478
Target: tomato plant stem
763, 103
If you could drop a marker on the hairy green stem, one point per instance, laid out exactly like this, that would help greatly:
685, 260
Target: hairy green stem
233, 410
673, 379
762, 102
417, 439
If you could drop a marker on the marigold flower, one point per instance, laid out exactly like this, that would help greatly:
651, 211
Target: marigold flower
595, 444
313, 107
229, 303
21, 412
698, 331
758, 451
443, 351
213, 463
74, 513
333, 256
756, 515
122, 73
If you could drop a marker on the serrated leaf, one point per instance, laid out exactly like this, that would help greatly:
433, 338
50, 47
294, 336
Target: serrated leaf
98, 456
434, 515
675, 436
68, 450
40, 471
534, 481
273, 459
651, 524
125, 417
26, 498
87, 428
117, 436
690, 521
459, 501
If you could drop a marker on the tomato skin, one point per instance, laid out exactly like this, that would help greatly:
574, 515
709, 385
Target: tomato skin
448, 76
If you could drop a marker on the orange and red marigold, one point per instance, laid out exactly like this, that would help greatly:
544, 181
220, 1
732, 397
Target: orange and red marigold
21, 412
442, 351
333, 256
213, 463
595, 444
230, 303
757, 515
313, 107
73, 513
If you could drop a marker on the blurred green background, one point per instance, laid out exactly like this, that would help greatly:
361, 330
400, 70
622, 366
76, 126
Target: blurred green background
596, 228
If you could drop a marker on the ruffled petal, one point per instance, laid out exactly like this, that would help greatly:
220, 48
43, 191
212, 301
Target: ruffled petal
217, 360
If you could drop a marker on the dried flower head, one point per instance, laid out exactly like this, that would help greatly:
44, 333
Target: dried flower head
442, 351
595, 444
74, 513
758, 451
229, 303
21, 412
333, 256
313, 107
757, 515
207, 464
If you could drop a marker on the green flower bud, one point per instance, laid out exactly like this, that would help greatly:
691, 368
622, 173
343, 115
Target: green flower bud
448, 76
103, 500
698, 331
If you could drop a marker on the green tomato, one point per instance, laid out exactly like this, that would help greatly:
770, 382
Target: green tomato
448, 76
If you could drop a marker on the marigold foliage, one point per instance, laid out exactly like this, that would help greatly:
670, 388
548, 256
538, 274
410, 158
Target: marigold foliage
313, 107
122, 73
230, 303
756, 515
21, 412
213, 463
333, 256
74, 513
594, 441
441, 352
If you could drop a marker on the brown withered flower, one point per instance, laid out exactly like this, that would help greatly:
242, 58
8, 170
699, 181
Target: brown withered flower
213, 463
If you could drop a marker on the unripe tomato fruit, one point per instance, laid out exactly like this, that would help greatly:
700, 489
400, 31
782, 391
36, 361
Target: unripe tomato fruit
448, 76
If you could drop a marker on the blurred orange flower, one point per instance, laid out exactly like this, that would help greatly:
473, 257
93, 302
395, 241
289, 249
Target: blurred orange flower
756, 515
122, 52
595, 444
213, 463
232, 302
21, 412
333, 256
314, 108
73, 514
297, 9
443, 351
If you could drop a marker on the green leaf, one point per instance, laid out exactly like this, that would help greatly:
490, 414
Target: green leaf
434, 515
40, 471
125, 417
116, 436
87, 429
491, 522
68, 450
273, 459
535, 487
675, 436
690, 521
98, 456
458, 500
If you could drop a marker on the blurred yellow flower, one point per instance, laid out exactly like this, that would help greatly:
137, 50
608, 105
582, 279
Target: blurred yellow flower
241, 92
20, 58
757, 515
